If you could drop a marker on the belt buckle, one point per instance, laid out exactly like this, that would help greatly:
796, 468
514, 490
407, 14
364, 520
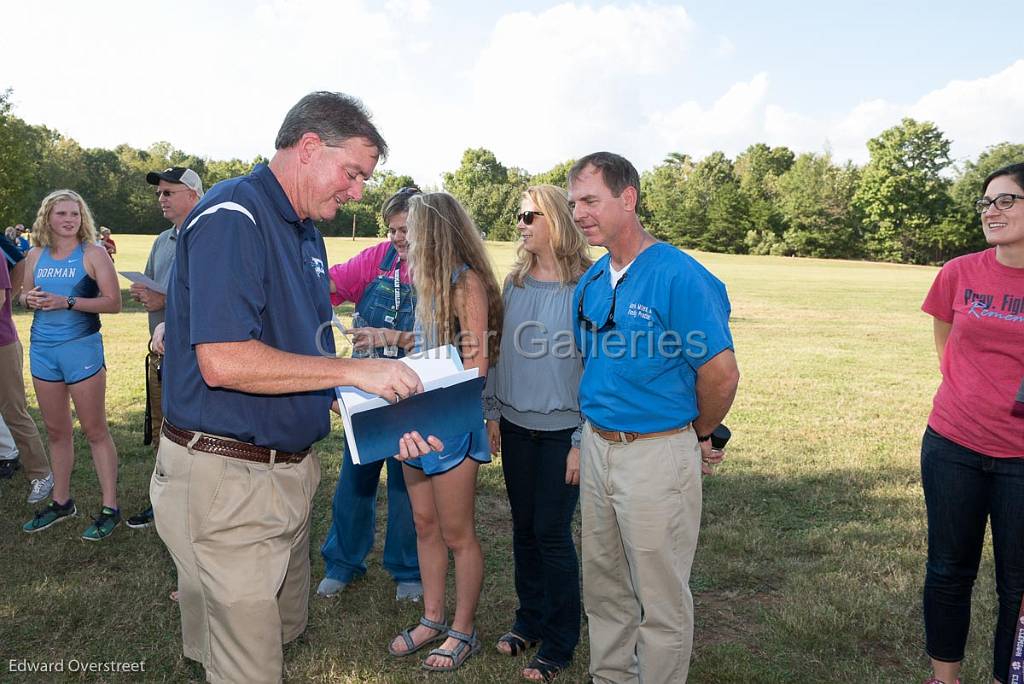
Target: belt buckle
629, 437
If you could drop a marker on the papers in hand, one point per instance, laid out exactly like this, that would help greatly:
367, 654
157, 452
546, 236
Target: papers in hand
143, 279
449, 406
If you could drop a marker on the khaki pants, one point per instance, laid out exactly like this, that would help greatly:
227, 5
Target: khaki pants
239, 536
640, 505
15, 412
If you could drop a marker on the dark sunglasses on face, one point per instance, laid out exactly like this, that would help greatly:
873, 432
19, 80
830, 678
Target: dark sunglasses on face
527, 216
610, 321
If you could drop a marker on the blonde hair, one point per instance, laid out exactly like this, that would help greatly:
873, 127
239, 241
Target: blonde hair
572, 253
42, 233
442, 237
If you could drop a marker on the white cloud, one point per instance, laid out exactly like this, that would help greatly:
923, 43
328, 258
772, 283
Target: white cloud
725, 125
417, 10
726, 48
972, 114
570, 79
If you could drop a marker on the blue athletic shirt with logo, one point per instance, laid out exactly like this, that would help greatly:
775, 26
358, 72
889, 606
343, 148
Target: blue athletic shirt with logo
671, 316
247, 268
67, 278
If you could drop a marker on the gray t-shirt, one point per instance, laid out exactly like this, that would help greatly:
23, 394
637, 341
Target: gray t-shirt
536, 381
158, 267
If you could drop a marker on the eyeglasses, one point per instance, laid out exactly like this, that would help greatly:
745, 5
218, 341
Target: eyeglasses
168, 193
527, 216
610, 321
1003, 201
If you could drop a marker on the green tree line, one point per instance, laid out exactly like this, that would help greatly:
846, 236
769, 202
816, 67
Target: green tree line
910, 203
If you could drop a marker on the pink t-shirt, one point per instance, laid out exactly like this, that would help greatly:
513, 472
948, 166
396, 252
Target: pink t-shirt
8, 333
983, 362
352, 277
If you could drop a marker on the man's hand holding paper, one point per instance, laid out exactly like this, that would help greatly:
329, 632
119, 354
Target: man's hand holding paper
390, 380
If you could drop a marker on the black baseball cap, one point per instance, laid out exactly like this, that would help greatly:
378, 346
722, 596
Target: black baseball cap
177, 174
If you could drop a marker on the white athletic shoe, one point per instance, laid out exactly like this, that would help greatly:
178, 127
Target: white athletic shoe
40, 489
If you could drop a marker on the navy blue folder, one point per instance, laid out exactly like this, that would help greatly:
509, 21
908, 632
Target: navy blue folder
445, 413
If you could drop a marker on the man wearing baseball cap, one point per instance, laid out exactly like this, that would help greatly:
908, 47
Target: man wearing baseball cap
177, 190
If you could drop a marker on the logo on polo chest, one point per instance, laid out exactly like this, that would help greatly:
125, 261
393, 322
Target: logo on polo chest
318, 266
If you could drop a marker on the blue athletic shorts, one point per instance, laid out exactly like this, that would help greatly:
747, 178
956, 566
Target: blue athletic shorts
472, 445
69, 362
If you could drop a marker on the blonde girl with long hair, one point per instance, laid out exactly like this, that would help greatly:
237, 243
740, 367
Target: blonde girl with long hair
458, 302
533, 417
69, 282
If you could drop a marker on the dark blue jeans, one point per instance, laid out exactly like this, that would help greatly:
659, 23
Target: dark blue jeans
547, 571
354, 521
962, 491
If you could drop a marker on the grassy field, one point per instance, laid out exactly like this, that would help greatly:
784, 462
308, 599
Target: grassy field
811, 554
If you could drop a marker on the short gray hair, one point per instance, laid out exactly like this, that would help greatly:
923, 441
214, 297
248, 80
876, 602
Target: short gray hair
334, 117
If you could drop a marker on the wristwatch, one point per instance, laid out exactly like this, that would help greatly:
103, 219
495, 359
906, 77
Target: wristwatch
703, 438
71, 302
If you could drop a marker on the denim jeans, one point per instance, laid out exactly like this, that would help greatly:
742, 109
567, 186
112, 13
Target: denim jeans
547, 572
354, 521
962, 491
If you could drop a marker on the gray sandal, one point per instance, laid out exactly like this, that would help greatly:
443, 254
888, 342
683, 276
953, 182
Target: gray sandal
469, 644
411, 646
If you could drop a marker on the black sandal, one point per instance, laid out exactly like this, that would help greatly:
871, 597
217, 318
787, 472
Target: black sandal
516, 644
548, 671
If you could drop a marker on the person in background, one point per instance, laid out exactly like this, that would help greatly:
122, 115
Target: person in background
659, 374
22, 444
377, 280
69, 282
458, 302
11, 233
23, 242
107, 242
972, 452
178, 190
533, 418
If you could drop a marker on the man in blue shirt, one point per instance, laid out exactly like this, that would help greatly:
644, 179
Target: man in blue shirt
249, 377
659, 375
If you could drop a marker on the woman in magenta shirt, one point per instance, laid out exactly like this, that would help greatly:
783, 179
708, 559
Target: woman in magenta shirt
377, 280
972, 455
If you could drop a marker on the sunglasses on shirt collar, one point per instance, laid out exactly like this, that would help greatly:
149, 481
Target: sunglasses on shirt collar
610, 321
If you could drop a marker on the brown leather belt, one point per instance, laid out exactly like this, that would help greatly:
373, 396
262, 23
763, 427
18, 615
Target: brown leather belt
627, 437
229, 447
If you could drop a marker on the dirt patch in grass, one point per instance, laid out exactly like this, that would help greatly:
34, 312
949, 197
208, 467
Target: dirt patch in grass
730, 617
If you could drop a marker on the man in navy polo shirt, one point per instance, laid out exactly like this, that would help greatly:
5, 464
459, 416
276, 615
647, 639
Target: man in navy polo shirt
659, 375
249, 374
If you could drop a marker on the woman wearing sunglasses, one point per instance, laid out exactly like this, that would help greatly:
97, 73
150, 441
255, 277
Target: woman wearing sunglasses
377, 280
458, 303
972, 454
532, 406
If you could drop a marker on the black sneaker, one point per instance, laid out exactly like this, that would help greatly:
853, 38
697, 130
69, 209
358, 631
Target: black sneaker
8, 468
52, 514
142, 520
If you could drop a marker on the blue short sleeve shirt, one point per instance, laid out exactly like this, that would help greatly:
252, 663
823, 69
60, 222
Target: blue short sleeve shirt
671, 316
247, 268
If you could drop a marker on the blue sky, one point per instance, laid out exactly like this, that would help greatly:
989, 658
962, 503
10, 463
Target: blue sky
536, 82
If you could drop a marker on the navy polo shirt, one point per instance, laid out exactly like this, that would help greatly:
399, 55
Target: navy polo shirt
247, 268
671, 316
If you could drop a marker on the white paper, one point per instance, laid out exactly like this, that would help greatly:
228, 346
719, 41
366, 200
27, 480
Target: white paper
143, 279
